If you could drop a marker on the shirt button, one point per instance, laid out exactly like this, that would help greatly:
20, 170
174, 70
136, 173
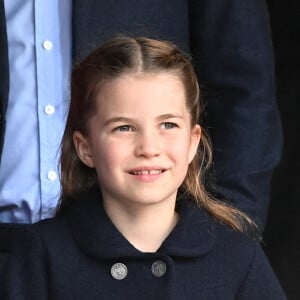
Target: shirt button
47, 45
49, 109
52, 175
119, 271
159, 268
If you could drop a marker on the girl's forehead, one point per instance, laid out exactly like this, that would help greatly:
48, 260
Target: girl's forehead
138, 84
151, 83
132, 92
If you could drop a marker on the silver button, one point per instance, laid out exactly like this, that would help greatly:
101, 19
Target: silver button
119, 271
52, 175
159, 268
49, 109
47, 45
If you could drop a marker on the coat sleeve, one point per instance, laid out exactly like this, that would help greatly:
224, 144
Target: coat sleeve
25, 276
261, 282
233, 55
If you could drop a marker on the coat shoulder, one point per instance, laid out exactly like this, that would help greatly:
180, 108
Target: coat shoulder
240, 249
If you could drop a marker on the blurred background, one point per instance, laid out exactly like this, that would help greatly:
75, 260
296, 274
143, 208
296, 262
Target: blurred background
282, 234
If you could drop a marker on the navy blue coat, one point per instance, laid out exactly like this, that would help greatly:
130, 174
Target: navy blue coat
231, 45
71, 256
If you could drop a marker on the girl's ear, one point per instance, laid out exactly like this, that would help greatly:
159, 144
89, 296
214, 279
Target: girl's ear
195, 140
83, 149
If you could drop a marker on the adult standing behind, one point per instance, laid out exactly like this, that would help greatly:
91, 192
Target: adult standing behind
231, 45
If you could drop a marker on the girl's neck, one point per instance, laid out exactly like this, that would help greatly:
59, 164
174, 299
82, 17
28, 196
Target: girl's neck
144, 227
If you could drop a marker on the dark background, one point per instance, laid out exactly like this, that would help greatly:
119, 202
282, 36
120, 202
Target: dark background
282, 234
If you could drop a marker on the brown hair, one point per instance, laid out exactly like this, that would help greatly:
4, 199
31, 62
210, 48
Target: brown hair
124, 55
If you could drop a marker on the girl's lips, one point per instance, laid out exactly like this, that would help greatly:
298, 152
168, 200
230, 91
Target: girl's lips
146, 175
145, 172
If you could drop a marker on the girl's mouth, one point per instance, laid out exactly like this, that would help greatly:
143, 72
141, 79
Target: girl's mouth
146, 172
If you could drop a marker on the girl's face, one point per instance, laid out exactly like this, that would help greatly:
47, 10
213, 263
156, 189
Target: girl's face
140, 140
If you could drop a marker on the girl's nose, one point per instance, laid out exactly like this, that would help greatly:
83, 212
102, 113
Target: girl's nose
147, 145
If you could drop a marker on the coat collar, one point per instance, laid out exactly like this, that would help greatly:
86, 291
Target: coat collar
95, 234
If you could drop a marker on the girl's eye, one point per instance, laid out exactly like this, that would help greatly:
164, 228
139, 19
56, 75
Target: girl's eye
124, 128
168, 125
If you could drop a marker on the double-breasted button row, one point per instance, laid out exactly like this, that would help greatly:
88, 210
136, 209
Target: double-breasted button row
119, 271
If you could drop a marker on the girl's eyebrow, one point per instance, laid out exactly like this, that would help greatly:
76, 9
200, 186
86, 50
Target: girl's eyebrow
169, 116
130, 120
117, 120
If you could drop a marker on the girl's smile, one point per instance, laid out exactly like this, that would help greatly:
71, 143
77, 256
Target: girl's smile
147, 174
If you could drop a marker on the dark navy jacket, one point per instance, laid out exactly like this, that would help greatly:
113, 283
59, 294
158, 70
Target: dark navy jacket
231, 45
71, 256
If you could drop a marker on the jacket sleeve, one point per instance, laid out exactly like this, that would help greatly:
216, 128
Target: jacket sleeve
233, 55
261, 282
25, 276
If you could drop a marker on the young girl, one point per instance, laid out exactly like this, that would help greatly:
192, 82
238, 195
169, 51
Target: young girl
135, 221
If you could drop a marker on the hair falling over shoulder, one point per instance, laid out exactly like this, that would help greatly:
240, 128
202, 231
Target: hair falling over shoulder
129, 55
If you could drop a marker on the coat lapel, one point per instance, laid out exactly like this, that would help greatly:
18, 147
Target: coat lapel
95, 234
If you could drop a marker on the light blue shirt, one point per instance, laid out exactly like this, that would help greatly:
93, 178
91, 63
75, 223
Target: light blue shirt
39, 39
